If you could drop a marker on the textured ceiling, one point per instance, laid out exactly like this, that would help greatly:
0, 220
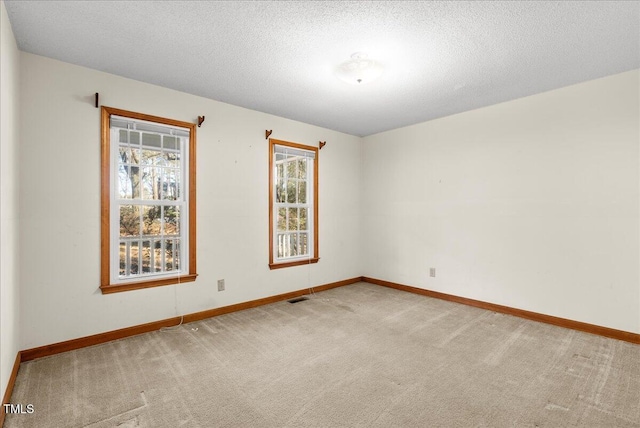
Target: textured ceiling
440, 58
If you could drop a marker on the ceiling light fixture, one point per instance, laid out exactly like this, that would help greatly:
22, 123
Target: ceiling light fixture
359, 69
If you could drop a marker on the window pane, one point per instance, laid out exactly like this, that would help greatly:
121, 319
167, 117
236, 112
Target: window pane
169, 142
135, 156
124, 182
151, 220
134, 137
129, 220
279, 180
302, 168
146, 256
280, 193
293, 219
170, 187
176, 253
302, 192
125, 154
168, 254
168, 184
134, 258
304, 244
162, 182
151, 140
291, 191
294, 244
291, 168
178, 184
172, 159
157, 256
171, 220
146, 184
303, 219
161, 160
156, 180
129, 182
134, 178
282, 219
149, 156
280, 250
123, 136
123, 258
151, 182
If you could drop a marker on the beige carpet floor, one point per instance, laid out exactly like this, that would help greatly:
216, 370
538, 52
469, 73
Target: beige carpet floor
355, 356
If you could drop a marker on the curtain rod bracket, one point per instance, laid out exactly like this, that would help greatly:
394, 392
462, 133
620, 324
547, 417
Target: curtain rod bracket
200, 120
267, 133
97, 95
322, 144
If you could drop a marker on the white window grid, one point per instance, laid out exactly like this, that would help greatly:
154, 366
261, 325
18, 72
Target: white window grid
152, 249
292, 245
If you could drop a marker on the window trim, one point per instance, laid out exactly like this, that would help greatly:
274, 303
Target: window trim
105, 205
315, 257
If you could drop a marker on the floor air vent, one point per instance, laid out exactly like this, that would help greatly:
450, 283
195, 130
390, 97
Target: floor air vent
298, 299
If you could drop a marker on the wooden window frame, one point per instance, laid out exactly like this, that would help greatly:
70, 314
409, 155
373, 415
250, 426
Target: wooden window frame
106, 286
315, 257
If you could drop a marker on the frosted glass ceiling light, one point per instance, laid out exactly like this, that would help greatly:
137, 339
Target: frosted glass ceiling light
359, 69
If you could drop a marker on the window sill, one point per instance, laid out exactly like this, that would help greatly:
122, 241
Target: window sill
117, 288
296, 263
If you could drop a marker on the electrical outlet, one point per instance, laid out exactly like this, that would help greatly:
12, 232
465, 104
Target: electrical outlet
432, 272
221, 285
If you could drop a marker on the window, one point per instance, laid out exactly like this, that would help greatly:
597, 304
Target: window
148, 201
293, 204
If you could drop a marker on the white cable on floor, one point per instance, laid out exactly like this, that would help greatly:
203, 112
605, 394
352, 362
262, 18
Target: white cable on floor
175, 308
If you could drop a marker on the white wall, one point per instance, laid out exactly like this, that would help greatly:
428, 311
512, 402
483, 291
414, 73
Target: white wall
9, 137
59, 205
532, 203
